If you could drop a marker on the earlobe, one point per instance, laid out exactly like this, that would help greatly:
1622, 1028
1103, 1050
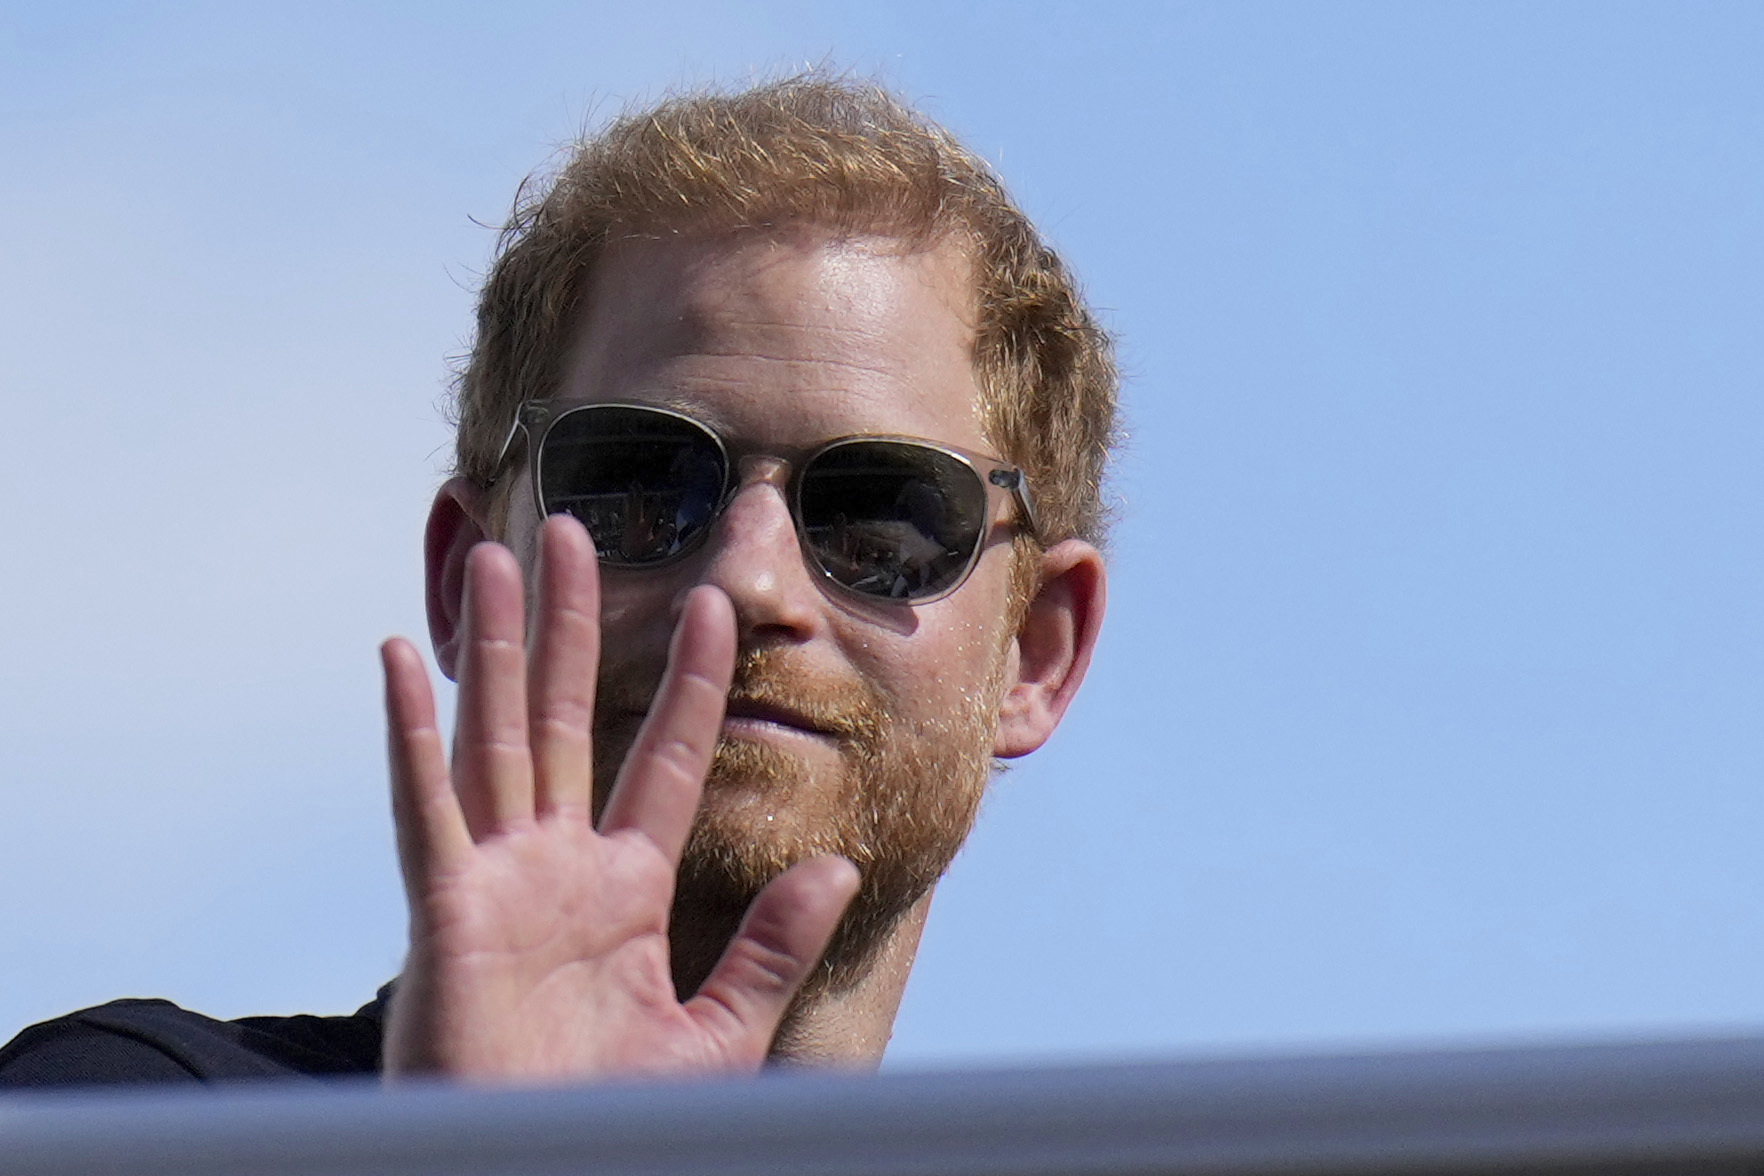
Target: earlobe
457, 523
1053, 647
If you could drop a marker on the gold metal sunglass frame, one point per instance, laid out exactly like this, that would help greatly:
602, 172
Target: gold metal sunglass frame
535, 419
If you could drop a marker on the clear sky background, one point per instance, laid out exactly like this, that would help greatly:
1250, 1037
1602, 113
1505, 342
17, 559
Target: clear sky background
1429, 708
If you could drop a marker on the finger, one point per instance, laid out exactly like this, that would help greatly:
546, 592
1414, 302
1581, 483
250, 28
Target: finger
781, 939
492, 769
566, 655
431, 829
659, 785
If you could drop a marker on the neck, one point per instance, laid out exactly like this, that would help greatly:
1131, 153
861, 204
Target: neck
850, 1028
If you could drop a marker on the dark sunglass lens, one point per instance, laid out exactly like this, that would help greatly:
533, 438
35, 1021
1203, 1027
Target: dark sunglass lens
644, 483
892, 519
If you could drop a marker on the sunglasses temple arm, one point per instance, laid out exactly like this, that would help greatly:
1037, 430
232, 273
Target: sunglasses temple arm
1028, 505
1014, 481
515, 428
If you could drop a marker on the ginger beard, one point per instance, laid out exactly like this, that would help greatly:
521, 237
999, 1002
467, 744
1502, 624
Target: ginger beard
899, 806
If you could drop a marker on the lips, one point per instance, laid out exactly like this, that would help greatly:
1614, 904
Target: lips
757, 711
771, 696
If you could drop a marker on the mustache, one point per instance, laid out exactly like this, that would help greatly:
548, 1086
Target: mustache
847, 708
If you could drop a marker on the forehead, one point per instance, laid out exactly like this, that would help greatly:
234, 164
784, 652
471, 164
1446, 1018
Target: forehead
792, 336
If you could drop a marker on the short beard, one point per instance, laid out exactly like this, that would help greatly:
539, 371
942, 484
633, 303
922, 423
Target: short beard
905, 802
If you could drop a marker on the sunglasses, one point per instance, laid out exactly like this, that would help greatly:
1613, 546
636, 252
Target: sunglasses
885, 518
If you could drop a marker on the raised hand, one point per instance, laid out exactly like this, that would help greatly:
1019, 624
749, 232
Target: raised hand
539, 945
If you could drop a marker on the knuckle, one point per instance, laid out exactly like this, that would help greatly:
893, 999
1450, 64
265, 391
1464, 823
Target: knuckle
564, 721
498, 747
678, 751
698, 682
489, 645
680, 754
764, 969
577, 617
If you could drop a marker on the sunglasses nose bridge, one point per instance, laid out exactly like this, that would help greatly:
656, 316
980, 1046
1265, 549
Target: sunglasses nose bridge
765, 470
754, 552
759, 467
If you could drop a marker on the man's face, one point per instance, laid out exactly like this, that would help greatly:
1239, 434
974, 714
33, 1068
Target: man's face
854, 727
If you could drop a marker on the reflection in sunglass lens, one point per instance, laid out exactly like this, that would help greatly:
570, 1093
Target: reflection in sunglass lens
644, 483
891, 519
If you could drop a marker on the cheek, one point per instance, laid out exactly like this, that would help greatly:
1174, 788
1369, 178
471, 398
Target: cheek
637, 613
520, 534
974, 641
949, 662
624, 613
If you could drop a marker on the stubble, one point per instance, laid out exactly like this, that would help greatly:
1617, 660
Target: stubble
899, 805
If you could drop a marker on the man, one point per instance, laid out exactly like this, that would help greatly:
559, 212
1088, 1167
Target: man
775, 521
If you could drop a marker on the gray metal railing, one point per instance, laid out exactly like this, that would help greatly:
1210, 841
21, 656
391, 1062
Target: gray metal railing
1682, 1107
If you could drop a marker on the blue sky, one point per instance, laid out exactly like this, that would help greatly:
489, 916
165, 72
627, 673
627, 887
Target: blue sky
1429, 707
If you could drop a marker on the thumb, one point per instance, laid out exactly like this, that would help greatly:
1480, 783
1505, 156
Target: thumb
780, 941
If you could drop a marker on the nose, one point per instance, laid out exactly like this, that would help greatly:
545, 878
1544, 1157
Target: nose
753, 555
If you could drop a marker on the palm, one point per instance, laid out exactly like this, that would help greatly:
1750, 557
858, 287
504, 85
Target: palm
539, 943
560, 934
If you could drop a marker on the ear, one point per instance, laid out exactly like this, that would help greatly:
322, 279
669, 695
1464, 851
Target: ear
457, 523
1053, 647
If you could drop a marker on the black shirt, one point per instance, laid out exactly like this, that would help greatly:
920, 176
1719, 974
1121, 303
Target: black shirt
129, 1041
